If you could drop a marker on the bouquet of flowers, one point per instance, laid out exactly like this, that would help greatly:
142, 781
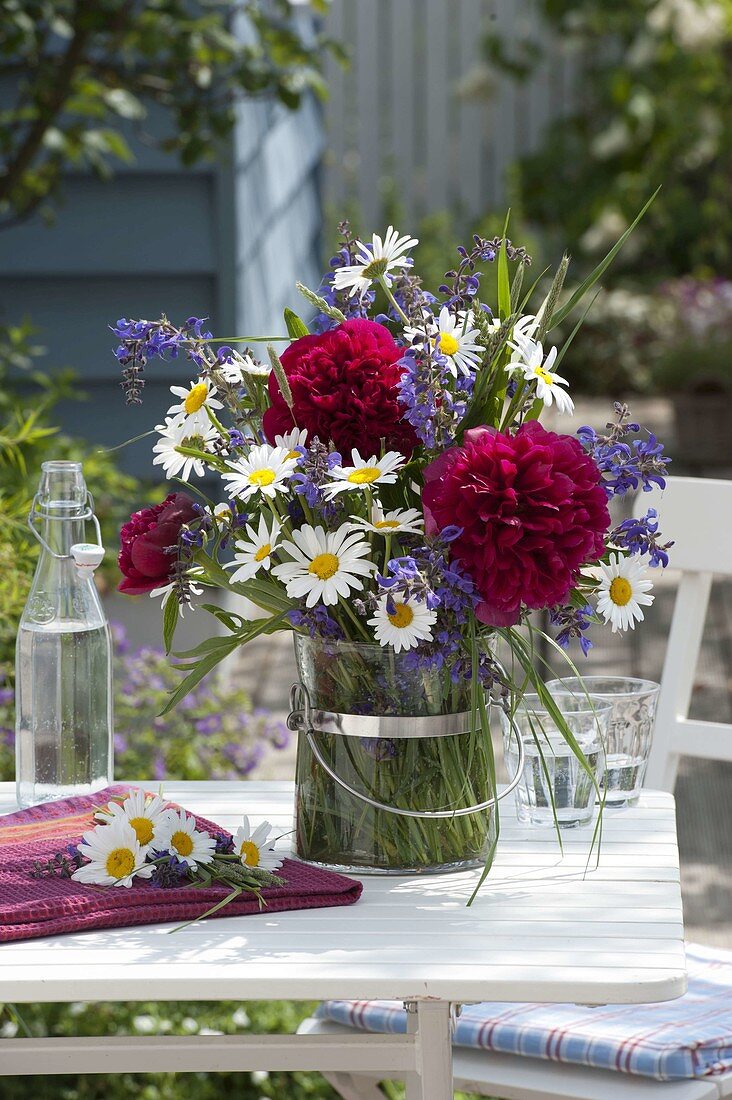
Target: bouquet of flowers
393, 498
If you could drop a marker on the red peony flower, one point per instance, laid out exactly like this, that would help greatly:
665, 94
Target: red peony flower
143, 541
344, 390
532, 509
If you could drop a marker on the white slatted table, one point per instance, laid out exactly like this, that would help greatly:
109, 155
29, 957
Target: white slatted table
542, 929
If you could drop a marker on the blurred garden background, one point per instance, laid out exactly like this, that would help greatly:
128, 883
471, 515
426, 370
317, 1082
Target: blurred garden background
163, 157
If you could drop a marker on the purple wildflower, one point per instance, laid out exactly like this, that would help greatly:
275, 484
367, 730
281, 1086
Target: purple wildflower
641, 536
573, 622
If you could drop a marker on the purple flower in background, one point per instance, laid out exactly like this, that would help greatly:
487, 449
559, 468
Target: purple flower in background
120, 743
641, 536
159, 769
210, 724
381, 748
6, 696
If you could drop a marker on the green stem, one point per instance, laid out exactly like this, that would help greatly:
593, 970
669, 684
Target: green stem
387, 290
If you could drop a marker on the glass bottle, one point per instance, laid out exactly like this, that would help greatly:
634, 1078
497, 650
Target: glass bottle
63, 680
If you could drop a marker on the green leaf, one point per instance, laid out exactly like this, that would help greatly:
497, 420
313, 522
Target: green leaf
170, 620
295, 326
504, 285
601, 267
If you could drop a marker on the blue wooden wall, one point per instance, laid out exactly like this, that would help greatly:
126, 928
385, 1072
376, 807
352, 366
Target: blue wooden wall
226, 241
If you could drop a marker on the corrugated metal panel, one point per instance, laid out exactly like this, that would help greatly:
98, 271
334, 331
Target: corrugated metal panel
401, 130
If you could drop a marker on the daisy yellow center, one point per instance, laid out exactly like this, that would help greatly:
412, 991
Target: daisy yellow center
543, 374
293, 454
620, 591
143, 829
182, 843
263, 552
196, 398
120, 862
447, 343
364, 475
402, 616
324, 566
387, 524
374, 269
249, 853
261, 477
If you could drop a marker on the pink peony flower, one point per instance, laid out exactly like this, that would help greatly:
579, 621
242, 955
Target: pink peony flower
344, 389
532, 508
143, 540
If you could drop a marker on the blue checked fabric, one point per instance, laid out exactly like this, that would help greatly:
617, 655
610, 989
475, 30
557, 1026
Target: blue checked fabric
686, 1038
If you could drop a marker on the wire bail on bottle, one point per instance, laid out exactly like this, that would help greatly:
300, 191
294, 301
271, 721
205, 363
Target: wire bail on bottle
86, 555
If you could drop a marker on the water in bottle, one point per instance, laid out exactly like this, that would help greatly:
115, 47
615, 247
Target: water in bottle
63, 678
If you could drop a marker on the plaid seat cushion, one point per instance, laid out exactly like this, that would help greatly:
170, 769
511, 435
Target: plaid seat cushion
686, 1038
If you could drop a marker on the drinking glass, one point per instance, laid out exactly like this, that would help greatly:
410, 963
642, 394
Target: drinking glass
630, 729
555, 787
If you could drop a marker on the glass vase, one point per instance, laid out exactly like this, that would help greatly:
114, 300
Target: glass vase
356, 693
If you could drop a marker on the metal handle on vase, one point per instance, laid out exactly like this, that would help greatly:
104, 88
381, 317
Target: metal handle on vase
358, 725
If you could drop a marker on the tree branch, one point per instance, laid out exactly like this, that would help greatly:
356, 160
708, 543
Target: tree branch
48, 111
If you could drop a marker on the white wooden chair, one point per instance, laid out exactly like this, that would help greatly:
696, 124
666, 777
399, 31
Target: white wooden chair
697, 514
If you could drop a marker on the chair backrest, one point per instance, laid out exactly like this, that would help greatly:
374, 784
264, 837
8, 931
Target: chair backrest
697, 514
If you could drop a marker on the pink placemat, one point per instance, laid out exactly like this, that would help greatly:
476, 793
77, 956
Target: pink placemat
31, 907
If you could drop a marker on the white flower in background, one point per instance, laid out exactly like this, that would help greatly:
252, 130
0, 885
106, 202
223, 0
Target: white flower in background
254, 367
179, 836
454, 337
233, 366
529, 359
406, 626
144, 813
298, 437
264, 470
623, 588
256, 554
166, 590
378, 259
364, 473
116, 855
325, 565
223, 513
400, 521
256, 849
191, 409
180, 433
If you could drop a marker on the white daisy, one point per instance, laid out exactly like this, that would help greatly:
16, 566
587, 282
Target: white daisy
179, 835
298, 437
144, 813
116, 855
400, 521
264, 470
233, 365
529, 358
374, 261
364, 473
409, 624
325, 565
454, 337
256, 554
255, 849
623, 588
176, 433
194, 400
